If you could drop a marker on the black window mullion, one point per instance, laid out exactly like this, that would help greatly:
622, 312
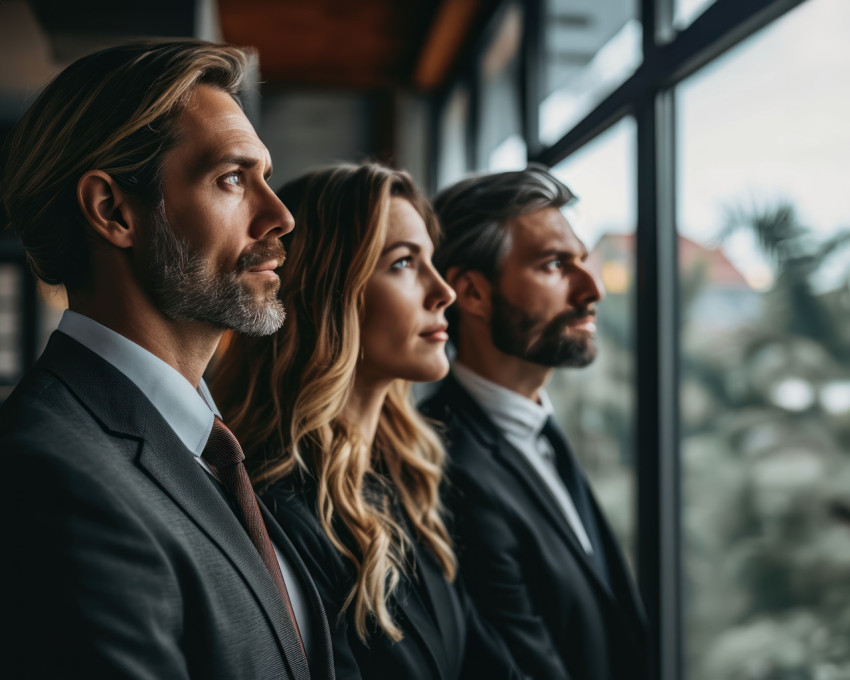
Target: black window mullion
532, 73
657, 417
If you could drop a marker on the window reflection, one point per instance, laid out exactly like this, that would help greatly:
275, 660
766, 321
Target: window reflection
10, 323
501, 145
685, 11
591, 47
596, 404
454, 131
765, 367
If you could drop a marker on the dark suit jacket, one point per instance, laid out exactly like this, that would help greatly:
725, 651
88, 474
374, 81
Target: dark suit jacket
121, 557
524, 566
444, 639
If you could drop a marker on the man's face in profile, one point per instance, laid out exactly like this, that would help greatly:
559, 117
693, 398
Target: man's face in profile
213, 245
544, 301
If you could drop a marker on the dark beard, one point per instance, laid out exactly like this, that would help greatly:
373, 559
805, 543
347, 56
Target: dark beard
515, 333
184, 287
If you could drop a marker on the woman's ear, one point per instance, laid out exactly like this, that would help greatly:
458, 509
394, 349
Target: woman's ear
473, 292
107, 208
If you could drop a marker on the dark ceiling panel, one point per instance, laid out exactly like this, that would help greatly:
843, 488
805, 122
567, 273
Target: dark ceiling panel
331, 43
107, 17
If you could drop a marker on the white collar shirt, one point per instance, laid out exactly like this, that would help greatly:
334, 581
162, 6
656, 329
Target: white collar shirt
520, 420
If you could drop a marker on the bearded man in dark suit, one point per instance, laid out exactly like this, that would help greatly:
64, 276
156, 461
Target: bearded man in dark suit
136, 182
535, 550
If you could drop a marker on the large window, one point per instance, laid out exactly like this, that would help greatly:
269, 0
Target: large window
596, 404
764, 262
709, 149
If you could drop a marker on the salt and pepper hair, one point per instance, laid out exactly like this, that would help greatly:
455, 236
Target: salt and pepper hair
115, 111
476, 215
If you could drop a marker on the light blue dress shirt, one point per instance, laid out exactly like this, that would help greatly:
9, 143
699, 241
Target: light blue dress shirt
188, 411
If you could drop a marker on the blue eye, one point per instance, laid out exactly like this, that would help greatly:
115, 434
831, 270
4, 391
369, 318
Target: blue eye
552, 265
233, 178
402, 263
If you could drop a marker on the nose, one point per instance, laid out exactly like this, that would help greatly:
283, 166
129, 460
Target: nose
273, 218
440, 294
585, 287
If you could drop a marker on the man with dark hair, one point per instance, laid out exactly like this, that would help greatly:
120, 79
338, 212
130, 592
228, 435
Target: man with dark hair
535, 551
134, 545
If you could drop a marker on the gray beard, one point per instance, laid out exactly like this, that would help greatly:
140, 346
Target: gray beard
184, 287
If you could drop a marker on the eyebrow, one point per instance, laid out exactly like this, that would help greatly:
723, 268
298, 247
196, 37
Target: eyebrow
581, 255
246, 162
415, 247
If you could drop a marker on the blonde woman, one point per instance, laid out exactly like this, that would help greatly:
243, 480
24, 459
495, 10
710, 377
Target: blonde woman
339, 454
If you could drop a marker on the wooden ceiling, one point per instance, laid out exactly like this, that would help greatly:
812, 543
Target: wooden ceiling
357, 44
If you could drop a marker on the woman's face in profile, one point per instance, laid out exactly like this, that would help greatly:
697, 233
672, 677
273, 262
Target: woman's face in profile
403, 334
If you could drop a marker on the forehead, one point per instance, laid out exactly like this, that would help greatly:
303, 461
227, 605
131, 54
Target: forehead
544, 230
213, 125
405, 224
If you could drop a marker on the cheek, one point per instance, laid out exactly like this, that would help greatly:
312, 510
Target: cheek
540, 294
388, 321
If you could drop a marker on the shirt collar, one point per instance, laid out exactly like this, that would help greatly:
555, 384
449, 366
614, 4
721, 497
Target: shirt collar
512, 413
188, 411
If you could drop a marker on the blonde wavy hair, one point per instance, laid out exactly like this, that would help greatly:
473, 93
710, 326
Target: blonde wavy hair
285, 395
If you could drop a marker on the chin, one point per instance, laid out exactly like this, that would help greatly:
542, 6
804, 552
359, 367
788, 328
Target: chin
430, 373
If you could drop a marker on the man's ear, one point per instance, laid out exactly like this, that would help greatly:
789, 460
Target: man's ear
473, 292
107, 208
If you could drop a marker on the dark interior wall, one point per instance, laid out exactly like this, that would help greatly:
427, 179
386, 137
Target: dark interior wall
309, 129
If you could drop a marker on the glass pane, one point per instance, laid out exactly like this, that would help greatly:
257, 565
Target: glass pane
765, 369
10, 322
595, 404
454, 131
501, 145
591, 47
685, 11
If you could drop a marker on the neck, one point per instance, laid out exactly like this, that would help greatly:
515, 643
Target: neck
187, 346
364, 407
478, 353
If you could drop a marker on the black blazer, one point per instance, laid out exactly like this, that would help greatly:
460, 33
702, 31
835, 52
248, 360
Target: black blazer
121, 557
444, 639
522, 563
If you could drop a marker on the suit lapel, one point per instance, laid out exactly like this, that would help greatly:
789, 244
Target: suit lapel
170, 465
624, 589
123, 410
621, 584
541, 496
446, 646
321, 629
463, 405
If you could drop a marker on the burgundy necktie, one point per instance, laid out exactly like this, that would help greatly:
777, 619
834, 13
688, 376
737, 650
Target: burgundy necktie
225, 456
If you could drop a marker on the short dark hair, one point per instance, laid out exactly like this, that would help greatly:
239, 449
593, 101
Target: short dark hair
476, 214
113, 110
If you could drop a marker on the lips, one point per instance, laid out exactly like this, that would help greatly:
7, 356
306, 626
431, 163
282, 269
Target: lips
265, 258
269, 266
436, 333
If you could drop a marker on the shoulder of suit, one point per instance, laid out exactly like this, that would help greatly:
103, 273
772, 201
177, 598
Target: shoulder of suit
42, 408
